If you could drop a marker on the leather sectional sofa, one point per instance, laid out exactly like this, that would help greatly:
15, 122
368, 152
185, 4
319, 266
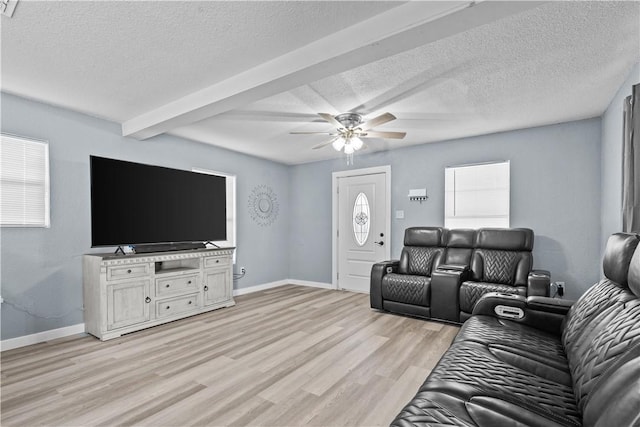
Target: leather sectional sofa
558, 364
442, 273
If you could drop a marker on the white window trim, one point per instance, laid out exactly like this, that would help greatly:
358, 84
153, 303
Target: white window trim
231, 207
47, 190
448, 218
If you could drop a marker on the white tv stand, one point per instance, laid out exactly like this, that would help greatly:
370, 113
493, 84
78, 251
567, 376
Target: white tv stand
126, 293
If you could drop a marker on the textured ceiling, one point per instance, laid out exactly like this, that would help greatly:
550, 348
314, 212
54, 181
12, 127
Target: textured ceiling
554, 62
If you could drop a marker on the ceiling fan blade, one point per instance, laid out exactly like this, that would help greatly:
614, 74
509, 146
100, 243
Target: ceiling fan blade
324, 144
311, 133
391, 135
328, 117
386, 117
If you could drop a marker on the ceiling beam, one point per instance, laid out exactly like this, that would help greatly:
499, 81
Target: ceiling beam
397, 30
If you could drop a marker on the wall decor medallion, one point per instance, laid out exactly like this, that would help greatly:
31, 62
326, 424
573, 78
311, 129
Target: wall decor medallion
263, 205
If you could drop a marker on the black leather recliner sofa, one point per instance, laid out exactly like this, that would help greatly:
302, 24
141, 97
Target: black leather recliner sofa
501, 261
404, 286
544, 361
442, 273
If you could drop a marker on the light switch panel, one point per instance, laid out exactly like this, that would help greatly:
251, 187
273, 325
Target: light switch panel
399, 214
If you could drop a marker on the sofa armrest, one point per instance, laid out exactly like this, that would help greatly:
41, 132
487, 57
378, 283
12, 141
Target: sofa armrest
549, 305
488, 303
538, 283
545, 314
378, 271
454, 267
445, 291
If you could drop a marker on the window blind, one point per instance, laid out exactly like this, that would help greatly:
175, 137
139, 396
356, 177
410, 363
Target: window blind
24, 182
477, 196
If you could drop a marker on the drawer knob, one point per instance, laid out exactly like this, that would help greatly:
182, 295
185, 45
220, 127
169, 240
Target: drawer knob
168, 307
217, 261
129, 271
206, 288
189, 302
189, 282
167, 285
147, 300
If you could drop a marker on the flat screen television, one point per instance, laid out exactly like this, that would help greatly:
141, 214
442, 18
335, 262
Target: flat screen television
138, 204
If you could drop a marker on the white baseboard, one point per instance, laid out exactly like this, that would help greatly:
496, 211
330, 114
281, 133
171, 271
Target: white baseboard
311, 284
265, 286
257, 288
39, 337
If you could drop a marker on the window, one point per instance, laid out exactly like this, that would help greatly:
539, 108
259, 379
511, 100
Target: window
24, 182
477, 196
231, 207
361, 219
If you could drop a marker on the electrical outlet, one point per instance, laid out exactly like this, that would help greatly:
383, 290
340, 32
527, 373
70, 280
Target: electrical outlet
243, 270
560, 287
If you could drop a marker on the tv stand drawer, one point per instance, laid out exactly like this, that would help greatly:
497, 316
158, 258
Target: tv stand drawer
172, 306
217, 261
171, 285
127, 271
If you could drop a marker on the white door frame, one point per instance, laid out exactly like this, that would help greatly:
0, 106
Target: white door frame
334, 216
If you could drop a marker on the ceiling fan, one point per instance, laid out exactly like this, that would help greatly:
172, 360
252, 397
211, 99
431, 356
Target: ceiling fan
350, 128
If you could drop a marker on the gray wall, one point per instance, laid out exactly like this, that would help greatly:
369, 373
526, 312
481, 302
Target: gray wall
41, 269
555, 190
611, 169
555, 178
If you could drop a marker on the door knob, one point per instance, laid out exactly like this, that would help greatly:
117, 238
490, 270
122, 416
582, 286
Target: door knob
380, 243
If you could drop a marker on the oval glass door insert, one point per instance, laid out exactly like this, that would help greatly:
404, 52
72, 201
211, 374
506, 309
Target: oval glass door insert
361, 216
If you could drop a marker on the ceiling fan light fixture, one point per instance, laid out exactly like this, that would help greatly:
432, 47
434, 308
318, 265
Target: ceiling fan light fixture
348, 148
350, 128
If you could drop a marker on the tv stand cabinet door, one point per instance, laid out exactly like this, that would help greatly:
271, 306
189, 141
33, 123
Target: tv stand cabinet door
128, 304
217, 285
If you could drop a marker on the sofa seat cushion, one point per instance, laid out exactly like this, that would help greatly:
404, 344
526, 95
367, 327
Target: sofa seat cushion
476, 382
406, 288
470, 292
492, 330
431, 408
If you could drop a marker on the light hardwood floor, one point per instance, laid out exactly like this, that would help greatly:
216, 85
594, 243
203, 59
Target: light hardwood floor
289, 356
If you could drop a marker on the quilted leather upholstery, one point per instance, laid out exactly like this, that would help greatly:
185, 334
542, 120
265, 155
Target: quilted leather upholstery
503, 267
500, 372
423, 411
501, 262
470, 292
496, 259
616, 330
488, 330
473, 364
500, 266
593, 302
406, 288
421, 259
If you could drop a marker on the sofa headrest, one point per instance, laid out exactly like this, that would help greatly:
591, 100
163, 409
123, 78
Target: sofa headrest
633, 278
617, 257
460, 238
423, 236
506, 239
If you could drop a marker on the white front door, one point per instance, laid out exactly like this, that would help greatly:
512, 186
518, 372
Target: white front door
363, 228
